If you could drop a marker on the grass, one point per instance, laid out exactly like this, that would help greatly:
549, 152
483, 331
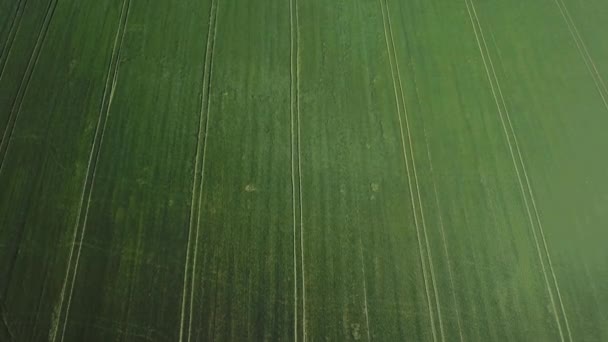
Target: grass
303, 170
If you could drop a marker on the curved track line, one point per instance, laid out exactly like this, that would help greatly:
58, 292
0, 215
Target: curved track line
515, 166
94, 154
423, 263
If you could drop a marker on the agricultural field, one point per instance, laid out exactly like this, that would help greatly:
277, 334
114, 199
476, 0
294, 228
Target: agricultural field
303, 170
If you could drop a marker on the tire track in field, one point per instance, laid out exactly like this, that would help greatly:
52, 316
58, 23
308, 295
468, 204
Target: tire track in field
16, 106
6, 329
298, 69
12, 34
296, 165
398, 88
87, 190
411, 147
582, 48
369, 338
132, 278
526, 178
533, 200
444, 241
25, 82
510, 132
600, 86
198, 181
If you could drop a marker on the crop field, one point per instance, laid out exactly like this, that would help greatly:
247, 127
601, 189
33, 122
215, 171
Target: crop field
303, 170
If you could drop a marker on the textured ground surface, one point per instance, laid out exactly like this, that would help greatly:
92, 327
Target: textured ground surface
202, 170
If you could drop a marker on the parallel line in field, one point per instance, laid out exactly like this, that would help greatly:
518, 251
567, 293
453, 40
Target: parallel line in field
25, 82
41, 298
537, 215
363, 269
293, 177
392, 56
299, 131
213, 326
295, 152
132, 280
197, 187
444, 242
89, 181
23, 86
411, 145
526, 178
470, 5
12, 34
582, 48
365, 302
7, 328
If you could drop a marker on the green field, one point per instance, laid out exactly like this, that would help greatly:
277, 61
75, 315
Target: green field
303, 170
